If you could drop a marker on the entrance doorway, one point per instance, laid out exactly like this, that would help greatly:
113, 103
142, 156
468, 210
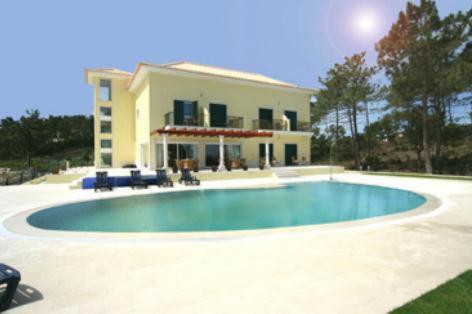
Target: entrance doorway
291, 156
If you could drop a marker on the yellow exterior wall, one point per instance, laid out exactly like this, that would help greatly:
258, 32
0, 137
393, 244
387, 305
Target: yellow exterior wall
136, 114
242, 101
123, 126
142, 118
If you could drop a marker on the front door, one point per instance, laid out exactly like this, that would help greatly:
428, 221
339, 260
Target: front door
290, 154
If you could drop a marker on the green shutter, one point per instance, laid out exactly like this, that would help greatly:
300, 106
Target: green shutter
265, 119
195, 111
178, 112
218, 115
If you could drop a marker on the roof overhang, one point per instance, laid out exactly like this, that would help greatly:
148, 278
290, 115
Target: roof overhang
144, 69
90, 74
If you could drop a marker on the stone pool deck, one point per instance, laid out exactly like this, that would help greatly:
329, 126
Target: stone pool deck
366, 269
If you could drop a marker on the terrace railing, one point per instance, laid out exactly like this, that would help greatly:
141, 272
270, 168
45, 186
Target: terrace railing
235, 122
197, 120
280, 125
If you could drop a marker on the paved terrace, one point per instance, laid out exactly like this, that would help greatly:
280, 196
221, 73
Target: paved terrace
365, 269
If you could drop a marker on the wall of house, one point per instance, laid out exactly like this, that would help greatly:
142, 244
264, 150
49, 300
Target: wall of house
142, 120
123, 127
242, 101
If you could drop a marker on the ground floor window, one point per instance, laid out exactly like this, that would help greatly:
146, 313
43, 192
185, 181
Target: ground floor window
176, 152
212, 153
105, 160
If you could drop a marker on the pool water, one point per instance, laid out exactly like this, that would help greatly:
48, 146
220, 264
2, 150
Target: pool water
217, 210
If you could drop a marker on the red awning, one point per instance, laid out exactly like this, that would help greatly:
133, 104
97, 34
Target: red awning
211, 132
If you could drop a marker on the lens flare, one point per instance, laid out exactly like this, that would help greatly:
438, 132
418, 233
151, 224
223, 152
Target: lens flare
365, 23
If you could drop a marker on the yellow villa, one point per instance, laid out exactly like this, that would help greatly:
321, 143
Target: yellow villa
163, 114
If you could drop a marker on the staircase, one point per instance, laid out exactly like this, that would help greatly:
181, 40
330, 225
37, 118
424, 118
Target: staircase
284, 173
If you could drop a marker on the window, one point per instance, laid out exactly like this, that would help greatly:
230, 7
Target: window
105, 126
105, 143
105, 111
106, 160
176, 152
212, 153
105, 90
292, 115
185, 112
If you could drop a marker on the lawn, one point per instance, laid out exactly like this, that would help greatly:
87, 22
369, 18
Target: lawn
453, 296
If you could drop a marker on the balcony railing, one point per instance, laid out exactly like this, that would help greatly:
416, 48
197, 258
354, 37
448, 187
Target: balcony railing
276, 124
188, 121
235, 122
303, 126
280, 125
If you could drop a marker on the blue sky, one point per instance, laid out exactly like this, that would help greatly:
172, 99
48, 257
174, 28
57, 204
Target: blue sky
46, 45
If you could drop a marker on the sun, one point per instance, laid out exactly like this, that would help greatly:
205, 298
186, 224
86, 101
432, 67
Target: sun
365, 23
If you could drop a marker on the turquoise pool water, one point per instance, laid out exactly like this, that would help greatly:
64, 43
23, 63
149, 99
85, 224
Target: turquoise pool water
217, 210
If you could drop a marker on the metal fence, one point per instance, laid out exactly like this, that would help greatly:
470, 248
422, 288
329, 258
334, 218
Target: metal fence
17, 176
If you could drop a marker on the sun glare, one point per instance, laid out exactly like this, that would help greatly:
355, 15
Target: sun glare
365, 23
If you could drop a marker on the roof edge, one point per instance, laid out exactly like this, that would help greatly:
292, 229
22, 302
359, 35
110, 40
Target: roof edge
159, 66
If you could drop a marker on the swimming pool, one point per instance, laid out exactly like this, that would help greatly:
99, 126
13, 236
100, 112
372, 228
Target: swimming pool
219, 210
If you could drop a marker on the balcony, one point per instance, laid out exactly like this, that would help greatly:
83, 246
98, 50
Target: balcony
186, 121
280, 125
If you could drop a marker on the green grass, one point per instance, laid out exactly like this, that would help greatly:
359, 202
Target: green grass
453, 296
419, 175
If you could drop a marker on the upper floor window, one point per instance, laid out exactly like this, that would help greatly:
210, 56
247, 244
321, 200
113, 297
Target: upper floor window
185, 112
105, 90
105, 126
292, 116
105, 111
105, 144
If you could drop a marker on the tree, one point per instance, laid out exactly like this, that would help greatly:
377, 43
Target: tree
346, 90
419, 56
31, 131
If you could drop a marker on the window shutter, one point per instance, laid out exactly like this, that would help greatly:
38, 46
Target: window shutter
195, 110
178, 112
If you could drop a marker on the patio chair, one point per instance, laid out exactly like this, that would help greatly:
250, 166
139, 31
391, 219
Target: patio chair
187, 178
101, 181
136, 181
11, 277
162, 179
